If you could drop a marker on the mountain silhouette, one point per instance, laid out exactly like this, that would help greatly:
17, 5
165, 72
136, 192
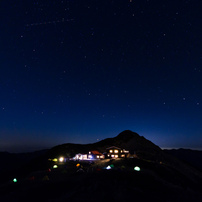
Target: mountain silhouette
127, 139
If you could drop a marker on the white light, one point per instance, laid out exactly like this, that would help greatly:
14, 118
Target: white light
136, 168
108, 167
61, 159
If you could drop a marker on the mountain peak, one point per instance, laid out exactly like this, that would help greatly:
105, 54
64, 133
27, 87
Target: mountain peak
127, 134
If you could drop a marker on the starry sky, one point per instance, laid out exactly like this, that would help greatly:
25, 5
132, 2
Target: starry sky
79, 71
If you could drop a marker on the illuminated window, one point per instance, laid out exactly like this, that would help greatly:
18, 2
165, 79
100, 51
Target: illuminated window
116, 151
108, 155
98, 157
116, 156
111, 151
112, 155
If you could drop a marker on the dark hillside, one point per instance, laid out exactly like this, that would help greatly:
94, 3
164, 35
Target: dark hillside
191, 157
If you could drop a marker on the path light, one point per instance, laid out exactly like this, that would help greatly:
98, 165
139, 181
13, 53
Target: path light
108, 167
55, 166
136, 168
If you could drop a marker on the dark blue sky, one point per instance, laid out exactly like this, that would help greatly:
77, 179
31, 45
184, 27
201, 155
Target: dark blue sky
78, 71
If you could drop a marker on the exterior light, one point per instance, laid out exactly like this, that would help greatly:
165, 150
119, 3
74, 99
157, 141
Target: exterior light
55, 160
61, 159
136, 168
110, 151
116, 151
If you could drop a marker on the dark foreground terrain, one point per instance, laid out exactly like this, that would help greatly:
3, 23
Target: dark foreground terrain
93, 182
164, 175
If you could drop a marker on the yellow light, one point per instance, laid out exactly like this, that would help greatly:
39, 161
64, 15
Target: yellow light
116, 151
77, 165
61, 159
116, 156
55, 160
110, 151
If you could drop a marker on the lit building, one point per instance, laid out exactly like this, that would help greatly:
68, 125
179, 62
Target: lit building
92, 155
116, 152
95, 155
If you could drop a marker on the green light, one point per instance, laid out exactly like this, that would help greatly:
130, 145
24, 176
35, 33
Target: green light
55, 166
136, 168
14, 180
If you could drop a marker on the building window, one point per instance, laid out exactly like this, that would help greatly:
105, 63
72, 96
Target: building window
111, 151
112, 155
116, 151
116, 156
98, 157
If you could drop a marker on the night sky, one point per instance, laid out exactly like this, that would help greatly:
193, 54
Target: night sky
80, 71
